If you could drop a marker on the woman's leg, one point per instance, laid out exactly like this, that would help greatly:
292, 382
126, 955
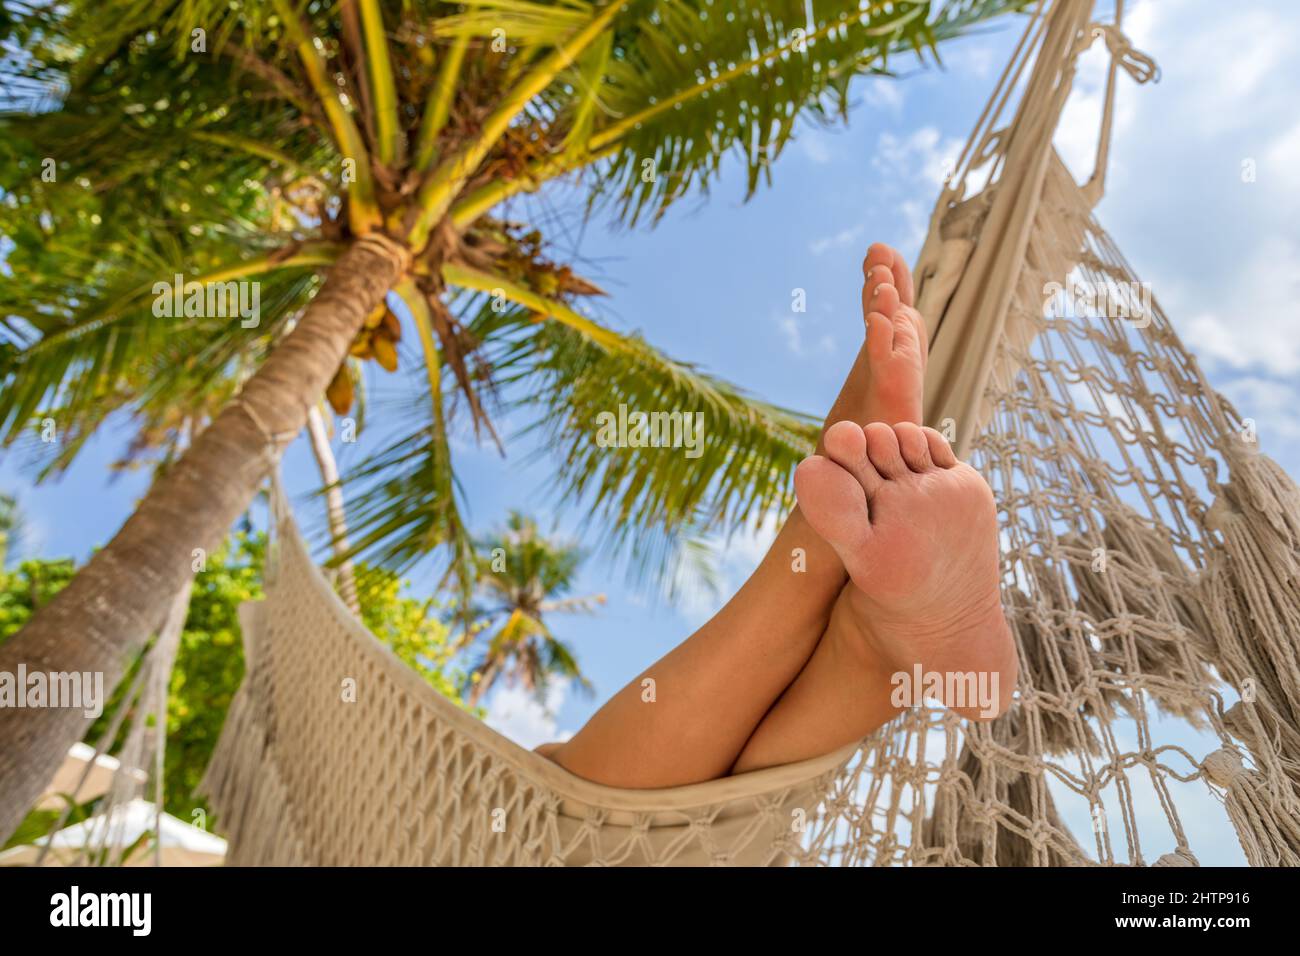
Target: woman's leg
688, 717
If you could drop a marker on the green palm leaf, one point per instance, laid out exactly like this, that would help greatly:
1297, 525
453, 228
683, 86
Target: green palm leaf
650, 501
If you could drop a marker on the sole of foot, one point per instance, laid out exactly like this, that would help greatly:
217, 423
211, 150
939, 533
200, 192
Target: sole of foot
917, 532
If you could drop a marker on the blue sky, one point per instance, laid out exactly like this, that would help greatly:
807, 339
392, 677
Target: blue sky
713, 283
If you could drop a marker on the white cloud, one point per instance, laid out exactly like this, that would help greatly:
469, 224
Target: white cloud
1220, 250
792, 328
1209, 102
1271, 404
517, 713
917, 219
1080, 124
845, 237
926, 155
1261, 46
1282, 162
1219, 64
1255, 322
814, 147
973, 57
884, 94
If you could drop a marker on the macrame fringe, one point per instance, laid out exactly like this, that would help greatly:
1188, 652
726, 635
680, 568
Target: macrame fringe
1251, 588
1251, 596
1273, 744
1180, 857
1268, 837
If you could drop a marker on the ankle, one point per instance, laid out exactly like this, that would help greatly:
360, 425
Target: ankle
850, 629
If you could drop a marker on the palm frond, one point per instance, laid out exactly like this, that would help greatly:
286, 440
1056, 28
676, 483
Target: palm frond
79, 350
437, 107
363, 209
586, 604
649, 499
500, 286
696, 87
522, 21
688, 81
382, 82
442, 185
403, 506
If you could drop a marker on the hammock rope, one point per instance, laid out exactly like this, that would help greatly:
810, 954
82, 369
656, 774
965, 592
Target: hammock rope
1151, 575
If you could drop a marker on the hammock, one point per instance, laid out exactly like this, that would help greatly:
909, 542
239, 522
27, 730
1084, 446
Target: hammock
1150, 566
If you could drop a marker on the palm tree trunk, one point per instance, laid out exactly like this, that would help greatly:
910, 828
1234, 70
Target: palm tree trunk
482, 685
107, 612
334, 510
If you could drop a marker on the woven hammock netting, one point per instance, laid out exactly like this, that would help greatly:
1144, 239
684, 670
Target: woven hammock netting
1150, 576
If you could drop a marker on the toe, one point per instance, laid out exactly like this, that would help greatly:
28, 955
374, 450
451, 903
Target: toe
846, 445
878, 276
903, 278
834, 503
882, 449
914, 446
845, 442
912, 320
941, 452
884, 255
880, 336
885, 299
905, 337
878, 254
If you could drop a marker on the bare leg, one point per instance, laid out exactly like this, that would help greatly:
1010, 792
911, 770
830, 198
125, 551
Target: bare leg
687, 717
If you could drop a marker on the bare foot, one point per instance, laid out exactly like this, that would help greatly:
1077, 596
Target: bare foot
896, 346
885, 383
917, 532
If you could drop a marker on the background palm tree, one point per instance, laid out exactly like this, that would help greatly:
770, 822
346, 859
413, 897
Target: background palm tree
522, 577
11, 523
348, 157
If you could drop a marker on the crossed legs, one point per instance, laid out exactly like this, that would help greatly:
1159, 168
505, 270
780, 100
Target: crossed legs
889, 561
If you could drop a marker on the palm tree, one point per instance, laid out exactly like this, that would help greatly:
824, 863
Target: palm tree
11, 523
522, 577
335, 510
343, 154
